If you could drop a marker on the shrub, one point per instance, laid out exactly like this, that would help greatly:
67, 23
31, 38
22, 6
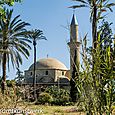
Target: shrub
64, 100
44, 98
60, 96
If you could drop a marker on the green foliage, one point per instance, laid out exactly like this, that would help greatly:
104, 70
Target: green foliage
44, 98
12, 96
105, 34
60, 96
9, 2
96, 84
4, 3
10, 83
36, 35
101, 6
96, 81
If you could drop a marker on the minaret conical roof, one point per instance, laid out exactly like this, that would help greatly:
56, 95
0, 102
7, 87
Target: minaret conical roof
74, 20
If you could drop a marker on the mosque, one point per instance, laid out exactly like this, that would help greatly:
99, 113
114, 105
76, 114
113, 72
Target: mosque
50, 71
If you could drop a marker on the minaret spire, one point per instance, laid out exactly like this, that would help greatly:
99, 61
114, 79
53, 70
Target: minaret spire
74, 29
74, 20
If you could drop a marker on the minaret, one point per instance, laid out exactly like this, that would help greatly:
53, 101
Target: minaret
74, 45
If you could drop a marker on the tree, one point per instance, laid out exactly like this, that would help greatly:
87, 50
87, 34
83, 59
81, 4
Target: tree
34, 36
97, 7
97, 99
13, 42
106, 34
6, 2
73, 89
9, 2
105, 40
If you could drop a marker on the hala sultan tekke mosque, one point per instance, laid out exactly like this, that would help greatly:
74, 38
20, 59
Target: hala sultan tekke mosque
50, 71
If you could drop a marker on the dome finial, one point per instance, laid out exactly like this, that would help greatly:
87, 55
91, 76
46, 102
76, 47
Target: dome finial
47, 55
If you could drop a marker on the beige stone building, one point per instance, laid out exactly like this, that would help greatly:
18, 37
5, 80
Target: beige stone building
48, 71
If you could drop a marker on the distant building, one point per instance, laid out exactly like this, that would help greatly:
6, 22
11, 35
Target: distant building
48, 71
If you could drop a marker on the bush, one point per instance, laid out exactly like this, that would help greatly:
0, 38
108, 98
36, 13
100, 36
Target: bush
44, 98
60, 96
10, 83
64, 100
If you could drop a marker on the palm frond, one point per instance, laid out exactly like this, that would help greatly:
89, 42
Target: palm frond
24, 44
15, 21
20, 26
78, 6
36, 35
22, 49
19, 58
81, 1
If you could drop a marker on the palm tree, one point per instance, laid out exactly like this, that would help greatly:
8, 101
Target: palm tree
13, 42
35, 35
97, 7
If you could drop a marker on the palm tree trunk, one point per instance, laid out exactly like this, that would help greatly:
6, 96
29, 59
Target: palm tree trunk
94, 27
3, 84
34, 74
94, 36
114, 55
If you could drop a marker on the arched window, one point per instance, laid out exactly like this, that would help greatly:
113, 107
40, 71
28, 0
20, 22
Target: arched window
30, 73
46, 72
62, 72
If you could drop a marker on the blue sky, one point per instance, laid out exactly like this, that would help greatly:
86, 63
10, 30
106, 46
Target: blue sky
52, 16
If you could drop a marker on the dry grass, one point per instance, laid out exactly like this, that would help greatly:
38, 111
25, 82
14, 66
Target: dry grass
49, 110
55, 110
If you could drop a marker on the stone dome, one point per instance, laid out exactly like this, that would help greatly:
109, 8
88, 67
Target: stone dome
49, 63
